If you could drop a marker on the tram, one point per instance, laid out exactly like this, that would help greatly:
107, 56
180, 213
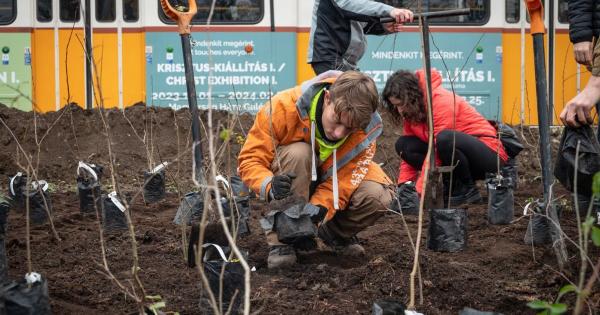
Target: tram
122, 52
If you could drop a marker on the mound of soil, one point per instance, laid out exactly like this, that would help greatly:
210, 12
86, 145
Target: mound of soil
497, 272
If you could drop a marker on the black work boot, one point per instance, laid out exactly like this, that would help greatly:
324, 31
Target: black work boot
347, 247
281, 256
462, 193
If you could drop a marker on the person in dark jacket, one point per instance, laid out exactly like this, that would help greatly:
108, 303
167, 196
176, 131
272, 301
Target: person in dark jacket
337, 34
584, 28
462, 136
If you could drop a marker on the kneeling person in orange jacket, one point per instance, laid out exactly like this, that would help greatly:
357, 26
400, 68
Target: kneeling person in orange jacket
323, 132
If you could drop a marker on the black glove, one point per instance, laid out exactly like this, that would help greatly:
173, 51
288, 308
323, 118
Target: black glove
281, 186
316, 213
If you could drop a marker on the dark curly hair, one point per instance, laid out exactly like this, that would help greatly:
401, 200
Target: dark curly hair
404, 85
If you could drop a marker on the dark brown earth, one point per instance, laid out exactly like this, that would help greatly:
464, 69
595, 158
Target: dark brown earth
497, 272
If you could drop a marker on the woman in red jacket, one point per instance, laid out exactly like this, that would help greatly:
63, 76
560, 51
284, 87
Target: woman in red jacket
456, 125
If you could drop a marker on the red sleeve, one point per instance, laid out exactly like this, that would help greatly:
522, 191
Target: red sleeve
406, 172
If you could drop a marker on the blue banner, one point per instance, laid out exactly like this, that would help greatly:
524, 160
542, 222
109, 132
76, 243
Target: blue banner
472, 62
244, 69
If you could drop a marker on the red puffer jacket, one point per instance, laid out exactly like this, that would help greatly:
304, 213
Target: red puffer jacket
445, 108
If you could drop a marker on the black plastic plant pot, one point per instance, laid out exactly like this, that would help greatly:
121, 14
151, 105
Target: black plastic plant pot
539, 227
447, 230
510, 170
388, 307
407, 201
23, 297
113, 213
583, 202
89, 188
37, 203
223, 276
190, 209
16, 189
90, 197
154, 186
294, 230
501, 201
241, 196
4, 208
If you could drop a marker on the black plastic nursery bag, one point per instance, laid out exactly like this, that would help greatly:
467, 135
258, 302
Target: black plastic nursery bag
190, 209
589, 159
583, 202
501, 201
154, 184
539, 227
21, 298
447, 230
113, 213
4, 207
88, 187
408, 199
388, 307
471, 311
16, 189
241, 196
510, 141
511, 170
232, 285
39, 198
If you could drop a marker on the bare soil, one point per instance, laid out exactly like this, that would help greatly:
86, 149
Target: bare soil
497, 272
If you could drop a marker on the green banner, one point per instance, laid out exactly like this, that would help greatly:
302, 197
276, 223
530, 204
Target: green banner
15, 70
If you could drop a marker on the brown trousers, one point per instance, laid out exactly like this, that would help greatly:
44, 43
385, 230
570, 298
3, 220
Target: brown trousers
366, 205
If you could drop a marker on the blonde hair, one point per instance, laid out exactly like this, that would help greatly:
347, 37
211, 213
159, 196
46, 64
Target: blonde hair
355, 94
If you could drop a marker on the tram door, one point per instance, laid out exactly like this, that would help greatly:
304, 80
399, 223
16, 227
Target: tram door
59, 43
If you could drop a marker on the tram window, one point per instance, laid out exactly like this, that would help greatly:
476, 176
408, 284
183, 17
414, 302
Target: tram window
69, 10
8, 11
480, 10
513, 11
225, 11
563, 11
131, 10
44, 10
105, 10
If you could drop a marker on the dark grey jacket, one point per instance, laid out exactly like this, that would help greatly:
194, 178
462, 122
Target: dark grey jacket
338, 29
584, 20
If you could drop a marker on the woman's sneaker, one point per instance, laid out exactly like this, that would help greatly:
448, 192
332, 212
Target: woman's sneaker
464, 194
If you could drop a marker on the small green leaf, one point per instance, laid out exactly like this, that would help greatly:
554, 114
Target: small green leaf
566, 289
539, 305
154, 297
225, 134
596, 236
596, 184
558, 308
156, 307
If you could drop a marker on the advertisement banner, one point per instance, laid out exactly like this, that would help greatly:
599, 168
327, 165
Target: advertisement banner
15, 70
244, 69
470, 62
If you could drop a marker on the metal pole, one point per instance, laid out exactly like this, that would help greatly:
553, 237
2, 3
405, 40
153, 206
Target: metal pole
88, 61
193, 105
272, 15
551, 32
535, 9
543, 113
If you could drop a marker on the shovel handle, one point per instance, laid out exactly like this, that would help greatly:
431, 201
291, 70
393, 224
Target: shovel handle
536, 9
180, 14
433, 14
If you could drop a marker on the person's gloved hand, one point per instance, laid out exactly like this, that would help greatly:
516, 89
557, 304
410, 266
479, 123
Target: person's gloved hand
316, 213
281, 186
